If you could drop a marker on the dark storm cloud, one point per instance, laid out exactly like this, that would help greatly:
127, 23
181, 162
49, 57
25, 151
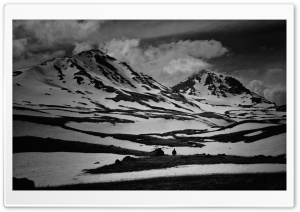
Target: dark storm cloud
168, 50
38, 40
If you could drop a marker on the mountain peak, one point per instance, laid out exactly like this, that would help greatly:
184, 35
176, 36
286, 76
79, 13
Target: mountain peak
206, 84
202, 71
199, 72
88, 70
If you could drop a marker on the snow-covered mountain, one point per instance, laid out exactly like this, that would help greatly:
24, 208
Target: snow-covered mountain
93, 79
216, 88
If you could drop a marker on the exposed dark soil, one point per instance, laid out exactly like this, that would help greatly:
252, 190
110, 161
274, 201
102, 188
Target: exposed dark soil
36, 144
161, 162
263, 181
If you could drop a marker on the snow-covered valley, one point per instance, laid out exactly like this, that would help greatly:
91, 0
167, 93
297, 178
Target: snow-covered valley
94, 99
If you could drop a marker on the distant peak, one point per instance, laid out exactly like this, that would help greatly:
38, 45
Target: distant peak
90, 51
200, 72
203, 71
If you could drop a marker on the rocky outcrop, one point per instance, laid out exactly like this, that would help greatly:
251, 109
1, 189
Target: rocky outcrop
129, 159
157, 152
281, 108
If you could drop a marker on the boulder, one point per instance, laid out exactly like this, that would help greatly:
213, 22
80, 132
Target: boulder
129, 159
23, 184
157, 152
118, 162
281, 108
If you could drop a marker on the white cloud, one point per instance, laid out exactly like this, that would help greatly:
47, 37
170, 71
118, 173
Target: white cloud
79, 47
124, 50
19, 47
185, 65
199, 49
257, 86
129, 50
275, 93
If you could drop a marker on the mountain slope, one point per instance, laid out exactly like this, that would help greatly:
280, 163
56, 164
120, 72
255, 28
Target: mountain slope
93, 79
219, 89
94, 87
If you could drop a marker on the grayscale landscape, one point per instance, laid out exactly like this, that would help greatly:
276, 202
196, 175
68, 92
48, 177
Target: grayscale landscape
149, 105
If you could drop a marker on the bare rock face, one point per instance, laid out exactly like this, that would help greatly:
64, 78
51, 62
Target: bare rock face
23, 184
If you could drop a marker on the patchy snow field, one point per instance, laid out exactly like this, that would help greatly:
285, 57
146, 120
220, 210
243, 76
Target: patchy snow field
187, 170
58, 167
66, 168
237, 128
157, 125
254, 133
274, 145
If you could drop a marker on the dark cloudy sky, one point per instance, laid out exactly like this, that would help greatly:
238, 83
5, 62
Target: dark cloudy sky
253, 51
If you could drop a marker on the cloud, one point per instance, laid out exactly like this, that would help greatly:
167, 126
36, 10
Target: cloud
29, 58
19, 47
185, 65
275, 93
39, 40
79, 47
24, 56
124, 50
168, 62
50, 32
198, 49
257, 86
272, 71
46, 55
129, 49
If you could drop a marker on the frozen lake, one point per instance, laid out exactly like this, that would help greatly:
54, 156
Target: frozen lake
66, 168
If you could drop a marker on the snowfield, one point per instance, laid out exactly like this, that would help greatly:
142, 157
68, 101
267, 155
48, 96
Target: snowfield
66, 168
254, 133
158, 125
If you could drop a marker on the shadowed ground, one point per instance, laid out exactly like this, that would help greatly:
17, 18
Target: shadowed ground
267, 181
